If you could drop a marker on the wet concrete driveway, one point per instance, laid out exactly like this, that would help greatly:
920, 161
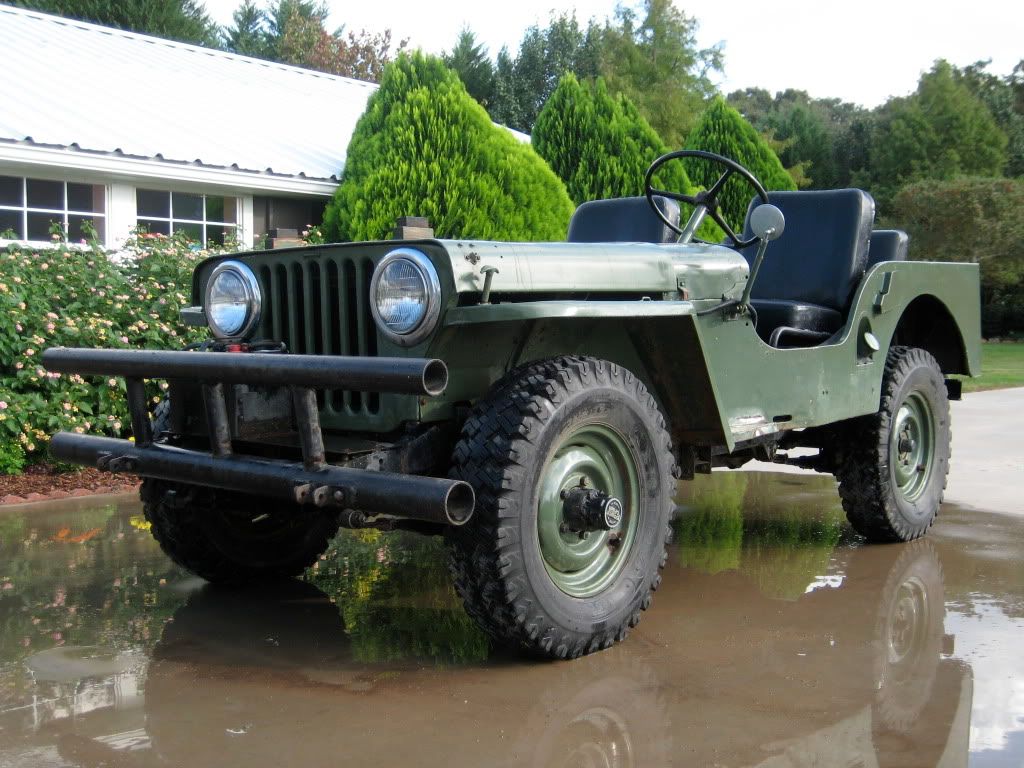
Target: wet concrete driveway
777, 639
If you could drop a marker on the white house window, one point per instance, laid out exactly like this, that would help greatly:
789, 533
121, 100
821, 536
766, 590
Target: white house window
30, 207
207, 219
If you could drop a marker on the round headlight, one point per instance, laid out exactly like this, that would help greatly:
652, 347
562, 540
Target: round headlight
232, 300
405, 295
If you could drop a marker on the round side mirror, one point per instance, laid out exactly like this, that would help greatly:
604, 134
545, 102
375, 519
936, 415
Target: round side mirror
767, 222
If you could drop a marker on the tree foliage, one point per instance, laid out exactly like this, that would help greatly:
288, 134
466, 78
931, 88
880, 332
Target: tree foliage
723, 130
470, 61
184, 20
977, 220
824, 140
248, 33
295, 32
942, 131
651, 55
1004, 97
523, 84
575, 133
424, 147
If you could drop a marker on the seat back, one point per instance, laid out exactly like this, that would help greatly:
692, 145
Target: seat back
823, 253
623, 220
888, 245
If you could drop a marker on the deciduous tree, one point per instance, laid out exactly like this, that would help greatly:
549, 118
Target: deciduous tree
650, 54
969, 219
942, 131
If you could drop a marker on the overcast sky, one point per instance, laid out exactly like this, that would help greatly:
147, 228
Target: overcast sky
862, 52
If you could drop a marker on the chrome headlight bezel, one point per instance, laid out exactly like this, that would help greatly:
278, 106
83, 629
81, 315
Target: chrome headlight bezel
253, 300
432, 286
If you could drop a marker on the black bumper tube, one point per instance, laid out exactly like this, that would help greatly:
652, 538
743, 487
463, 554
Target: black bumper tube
404, 375
409, 497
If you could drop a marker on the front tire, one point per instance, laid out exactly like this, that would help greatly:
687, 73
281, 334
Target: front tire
893, 474
527, 577
231, 538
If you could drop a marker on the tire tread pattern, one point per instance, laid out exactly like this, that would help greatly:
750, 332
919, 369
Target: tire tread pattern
865, 488
178, 512
484, 556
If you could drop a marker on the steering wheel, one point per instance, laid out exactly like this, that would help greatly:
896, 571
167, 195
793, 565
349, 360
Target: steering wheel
704, 202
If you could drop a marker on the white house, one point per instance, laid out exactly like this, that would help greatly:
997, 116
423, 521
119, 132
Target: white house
125, 129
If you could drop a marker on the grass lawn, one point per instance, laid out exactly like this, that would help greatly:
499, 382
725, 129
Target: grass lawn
1002, 365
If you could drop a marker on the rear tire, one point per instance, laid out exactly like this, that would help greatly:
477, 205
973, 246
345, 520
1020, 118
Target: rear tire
893, 471
231, 538
527, 580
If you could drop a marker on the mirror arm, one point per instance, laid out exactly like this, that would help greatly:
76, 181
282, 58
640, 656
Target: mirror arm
762, 246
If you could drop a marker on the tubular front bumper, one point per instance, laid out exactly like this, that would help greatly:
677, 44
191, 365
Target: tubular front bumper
429, 499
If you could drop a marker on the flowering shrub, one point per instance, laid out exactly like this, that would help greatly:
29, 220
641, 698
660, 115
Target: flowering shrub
83, 297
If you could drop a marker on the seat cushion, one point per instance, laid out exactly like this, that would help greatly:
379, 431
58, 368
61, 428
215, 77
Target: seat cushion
623, 220
822, 255
772, 314
888, 245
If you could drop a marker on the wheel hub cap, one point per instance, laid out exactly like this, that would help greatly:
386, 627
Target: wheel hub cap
912, 446
587, 510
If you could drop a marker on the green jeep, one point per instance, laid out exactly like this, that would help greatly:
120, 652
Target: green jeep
536, 403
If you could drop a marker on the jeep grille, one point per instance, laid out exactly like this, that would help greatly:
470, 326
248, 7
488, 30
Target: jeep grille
319, 305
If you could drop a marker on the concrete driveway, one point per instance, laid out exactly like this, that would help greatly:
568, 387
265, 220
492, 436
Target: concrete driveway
987, 468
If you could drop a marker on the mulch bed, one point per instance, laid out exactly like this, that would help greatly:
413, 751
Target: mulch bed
41, 482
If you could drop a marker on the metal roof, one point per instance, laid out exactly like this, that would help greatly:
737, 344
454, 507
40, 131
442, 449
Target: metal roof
91, 90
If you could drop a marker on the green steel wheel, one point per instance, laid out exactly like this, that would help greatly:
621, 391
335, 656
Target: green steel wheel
574, 476
893, 474
912, 446
595, 457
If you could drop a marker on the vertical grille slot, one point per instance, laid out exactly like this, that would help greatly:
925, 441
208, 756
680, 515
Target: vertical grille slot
353, 400
313, 316
333, 299
297, 310
269, 305
319, 304
281, 330
367, 329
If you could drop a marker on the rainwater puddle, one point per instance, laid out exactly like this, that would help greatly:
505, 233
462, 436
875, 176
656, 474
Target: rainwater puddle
776, 639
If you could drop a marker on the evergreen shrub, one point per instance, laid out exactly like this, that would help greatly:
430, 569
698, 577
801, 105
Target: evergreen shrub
424, 147
600, 146
721, 129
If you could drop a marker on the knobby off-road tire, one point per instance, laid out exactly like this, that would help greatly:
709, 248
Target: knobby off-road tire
893, 471
231, 538
524, 579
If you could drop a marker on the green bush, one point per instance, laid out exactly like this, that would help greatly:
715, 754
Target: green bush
424, 147
976, 220
599, 146
941, 131
82, 297
723, 130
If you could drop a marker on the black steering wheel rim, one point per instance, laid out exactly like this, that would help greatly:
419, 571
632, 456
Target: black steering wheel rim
707, 198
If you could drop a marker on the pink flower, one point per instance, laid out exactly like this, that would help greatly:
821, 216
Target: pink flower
3, 405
